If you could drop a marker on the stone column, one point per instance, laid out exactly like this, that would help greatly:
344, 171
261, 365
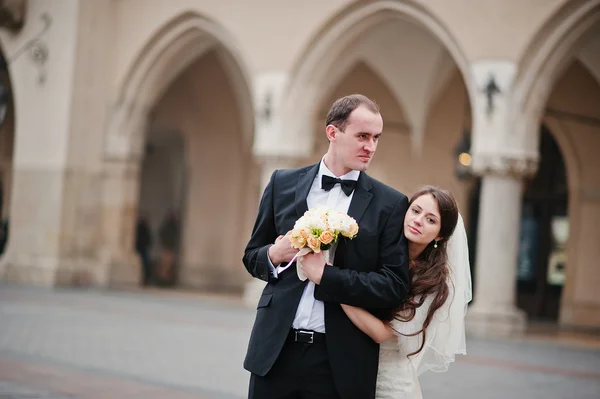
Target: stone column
580, 302
6, 178
7, 139
43, 86
120, 200
494, 310
273, 148
502, 155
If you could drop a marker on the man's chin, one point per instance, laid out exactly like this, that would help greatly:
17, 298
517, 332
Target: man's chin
362, 165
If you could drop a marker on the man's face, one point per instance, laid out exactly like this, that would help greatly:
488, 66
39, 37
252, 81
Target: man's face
355, 146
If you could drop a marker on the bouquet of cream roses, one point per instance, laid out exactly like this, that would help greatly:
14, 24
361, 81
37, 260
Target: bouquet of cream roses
317, 230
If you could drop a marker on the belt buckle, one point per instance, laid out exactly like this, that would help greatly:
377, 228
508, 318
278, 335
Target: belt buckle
310, 333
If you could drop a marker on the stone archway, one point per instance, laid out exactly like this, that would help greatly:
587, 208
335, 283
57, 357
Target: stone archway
189, 78
177, 44
338, 46
572, 116
397, 162
402, 56
549, 54
557, 85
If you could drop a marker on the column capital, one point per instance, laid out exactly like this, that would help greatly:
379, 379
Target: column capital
501, 145
494, 310
506, 164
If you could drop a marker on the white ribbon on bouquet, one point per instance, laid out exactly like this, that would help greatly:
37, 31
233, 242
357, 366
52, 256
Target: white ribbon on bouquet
298, 259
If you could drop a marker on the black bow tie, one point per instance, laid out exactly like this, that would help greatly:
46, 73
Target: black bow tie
327, 183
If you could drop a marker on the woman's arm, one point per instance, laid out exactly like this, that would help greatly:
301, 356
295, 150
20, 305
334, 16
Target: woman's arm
378, 330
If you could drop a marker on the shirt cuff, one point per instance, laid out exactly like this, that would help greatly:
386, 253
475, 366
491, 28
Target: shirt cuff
274, 272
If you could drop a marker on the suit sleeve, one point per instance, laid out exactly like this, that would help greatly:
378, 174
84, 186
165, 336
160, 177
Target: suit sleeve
382, 289
255, 257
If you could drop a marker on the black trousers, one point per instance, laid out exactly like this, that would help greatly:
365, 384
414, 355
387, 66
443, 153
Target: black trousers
301, 371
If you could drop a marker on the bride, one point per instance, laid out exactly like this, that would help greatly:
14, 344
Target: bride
428, 330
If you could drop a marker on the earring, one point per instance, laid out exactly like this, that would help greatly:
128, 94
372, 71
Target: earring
435, 245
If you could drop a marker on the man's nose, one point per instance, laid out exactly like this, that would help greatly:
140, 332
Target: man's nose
371, 146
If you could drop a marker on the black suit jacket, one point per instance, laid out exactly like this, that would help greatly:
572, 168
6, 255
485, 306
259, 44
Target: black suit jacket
370, 271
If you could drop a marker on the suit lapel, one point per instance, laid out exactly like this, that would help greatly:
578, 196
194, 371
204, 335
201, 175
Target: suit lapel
305, 182
361, 198
360, 201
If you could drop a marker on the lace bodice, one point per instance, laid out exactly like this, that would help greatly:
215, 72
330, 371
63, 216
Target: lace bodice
397, 377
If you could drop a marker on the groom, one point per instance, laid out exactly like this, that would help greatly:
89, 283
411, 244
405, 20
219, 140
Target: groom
302, 344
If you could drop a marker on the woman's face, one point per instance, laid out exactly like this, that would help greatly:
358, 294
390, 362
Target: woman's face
422, 222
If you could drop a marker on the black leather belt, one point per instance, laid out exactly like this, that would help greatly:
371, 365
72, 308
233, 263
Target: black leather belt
307, 337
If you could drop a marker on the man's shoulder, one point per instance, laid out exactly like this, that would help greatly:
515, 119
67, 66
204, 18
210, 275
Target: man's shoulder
380, 188
287, 173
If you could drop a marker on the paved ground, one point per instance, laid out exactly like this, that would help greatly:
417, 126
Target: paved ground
58, 344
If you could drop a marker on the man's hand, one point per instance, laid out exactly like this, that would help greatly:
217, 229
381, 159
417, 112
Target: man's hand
282, 251
312, 265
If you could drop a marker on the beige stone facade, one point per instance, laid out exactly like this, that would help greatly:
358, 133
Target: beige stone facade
126, 107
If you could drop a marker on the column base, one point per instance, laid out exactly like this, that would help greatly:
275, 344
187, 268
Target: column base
43, 275
52, 271
124, 270
580, 315
495, 322
252, 292
211, 278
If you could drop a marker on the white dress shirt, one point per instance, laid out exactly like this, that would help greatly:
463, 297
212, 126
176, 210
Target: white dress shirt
310, 314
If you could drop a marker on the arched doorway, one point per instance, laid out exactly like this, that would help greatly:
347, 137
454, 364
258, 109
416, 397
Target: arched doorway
544, 233
403, 59
558, 86
187, 98
413, 55
196, 125
163, 189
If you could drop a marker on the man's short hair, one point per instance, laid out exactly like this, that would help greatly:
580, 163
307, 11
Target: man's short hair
342, 108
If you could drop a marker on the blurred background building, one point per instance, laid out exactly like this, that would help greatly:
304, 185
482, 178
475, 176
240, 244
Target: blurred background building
177, 112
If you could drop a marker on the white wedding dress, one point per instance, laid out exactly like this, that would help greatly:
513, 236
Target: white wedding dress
398, 375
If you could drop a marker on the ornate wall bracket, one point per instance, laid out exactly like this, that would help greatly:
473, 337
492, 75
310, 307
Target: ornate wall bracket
38, 49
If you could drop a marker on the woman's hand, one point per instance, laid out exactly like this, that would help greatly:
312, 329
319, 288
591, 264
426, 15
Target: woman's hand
313, 265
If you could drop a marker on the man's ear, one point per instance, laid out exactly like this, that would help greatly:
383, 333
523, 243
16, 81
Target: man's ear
331, 132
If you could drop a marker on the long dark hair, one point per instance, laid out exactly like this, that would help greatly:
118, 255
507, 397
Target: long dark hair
429, 272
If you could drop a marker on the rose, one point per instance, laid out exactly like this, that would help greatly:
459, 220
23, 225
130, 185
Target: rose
304, 233
313, 243
297, 241
351, 231
326, 237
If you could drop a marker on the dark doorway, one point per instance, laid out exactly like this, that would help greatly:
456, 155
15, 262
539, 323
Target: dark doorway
544, 232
